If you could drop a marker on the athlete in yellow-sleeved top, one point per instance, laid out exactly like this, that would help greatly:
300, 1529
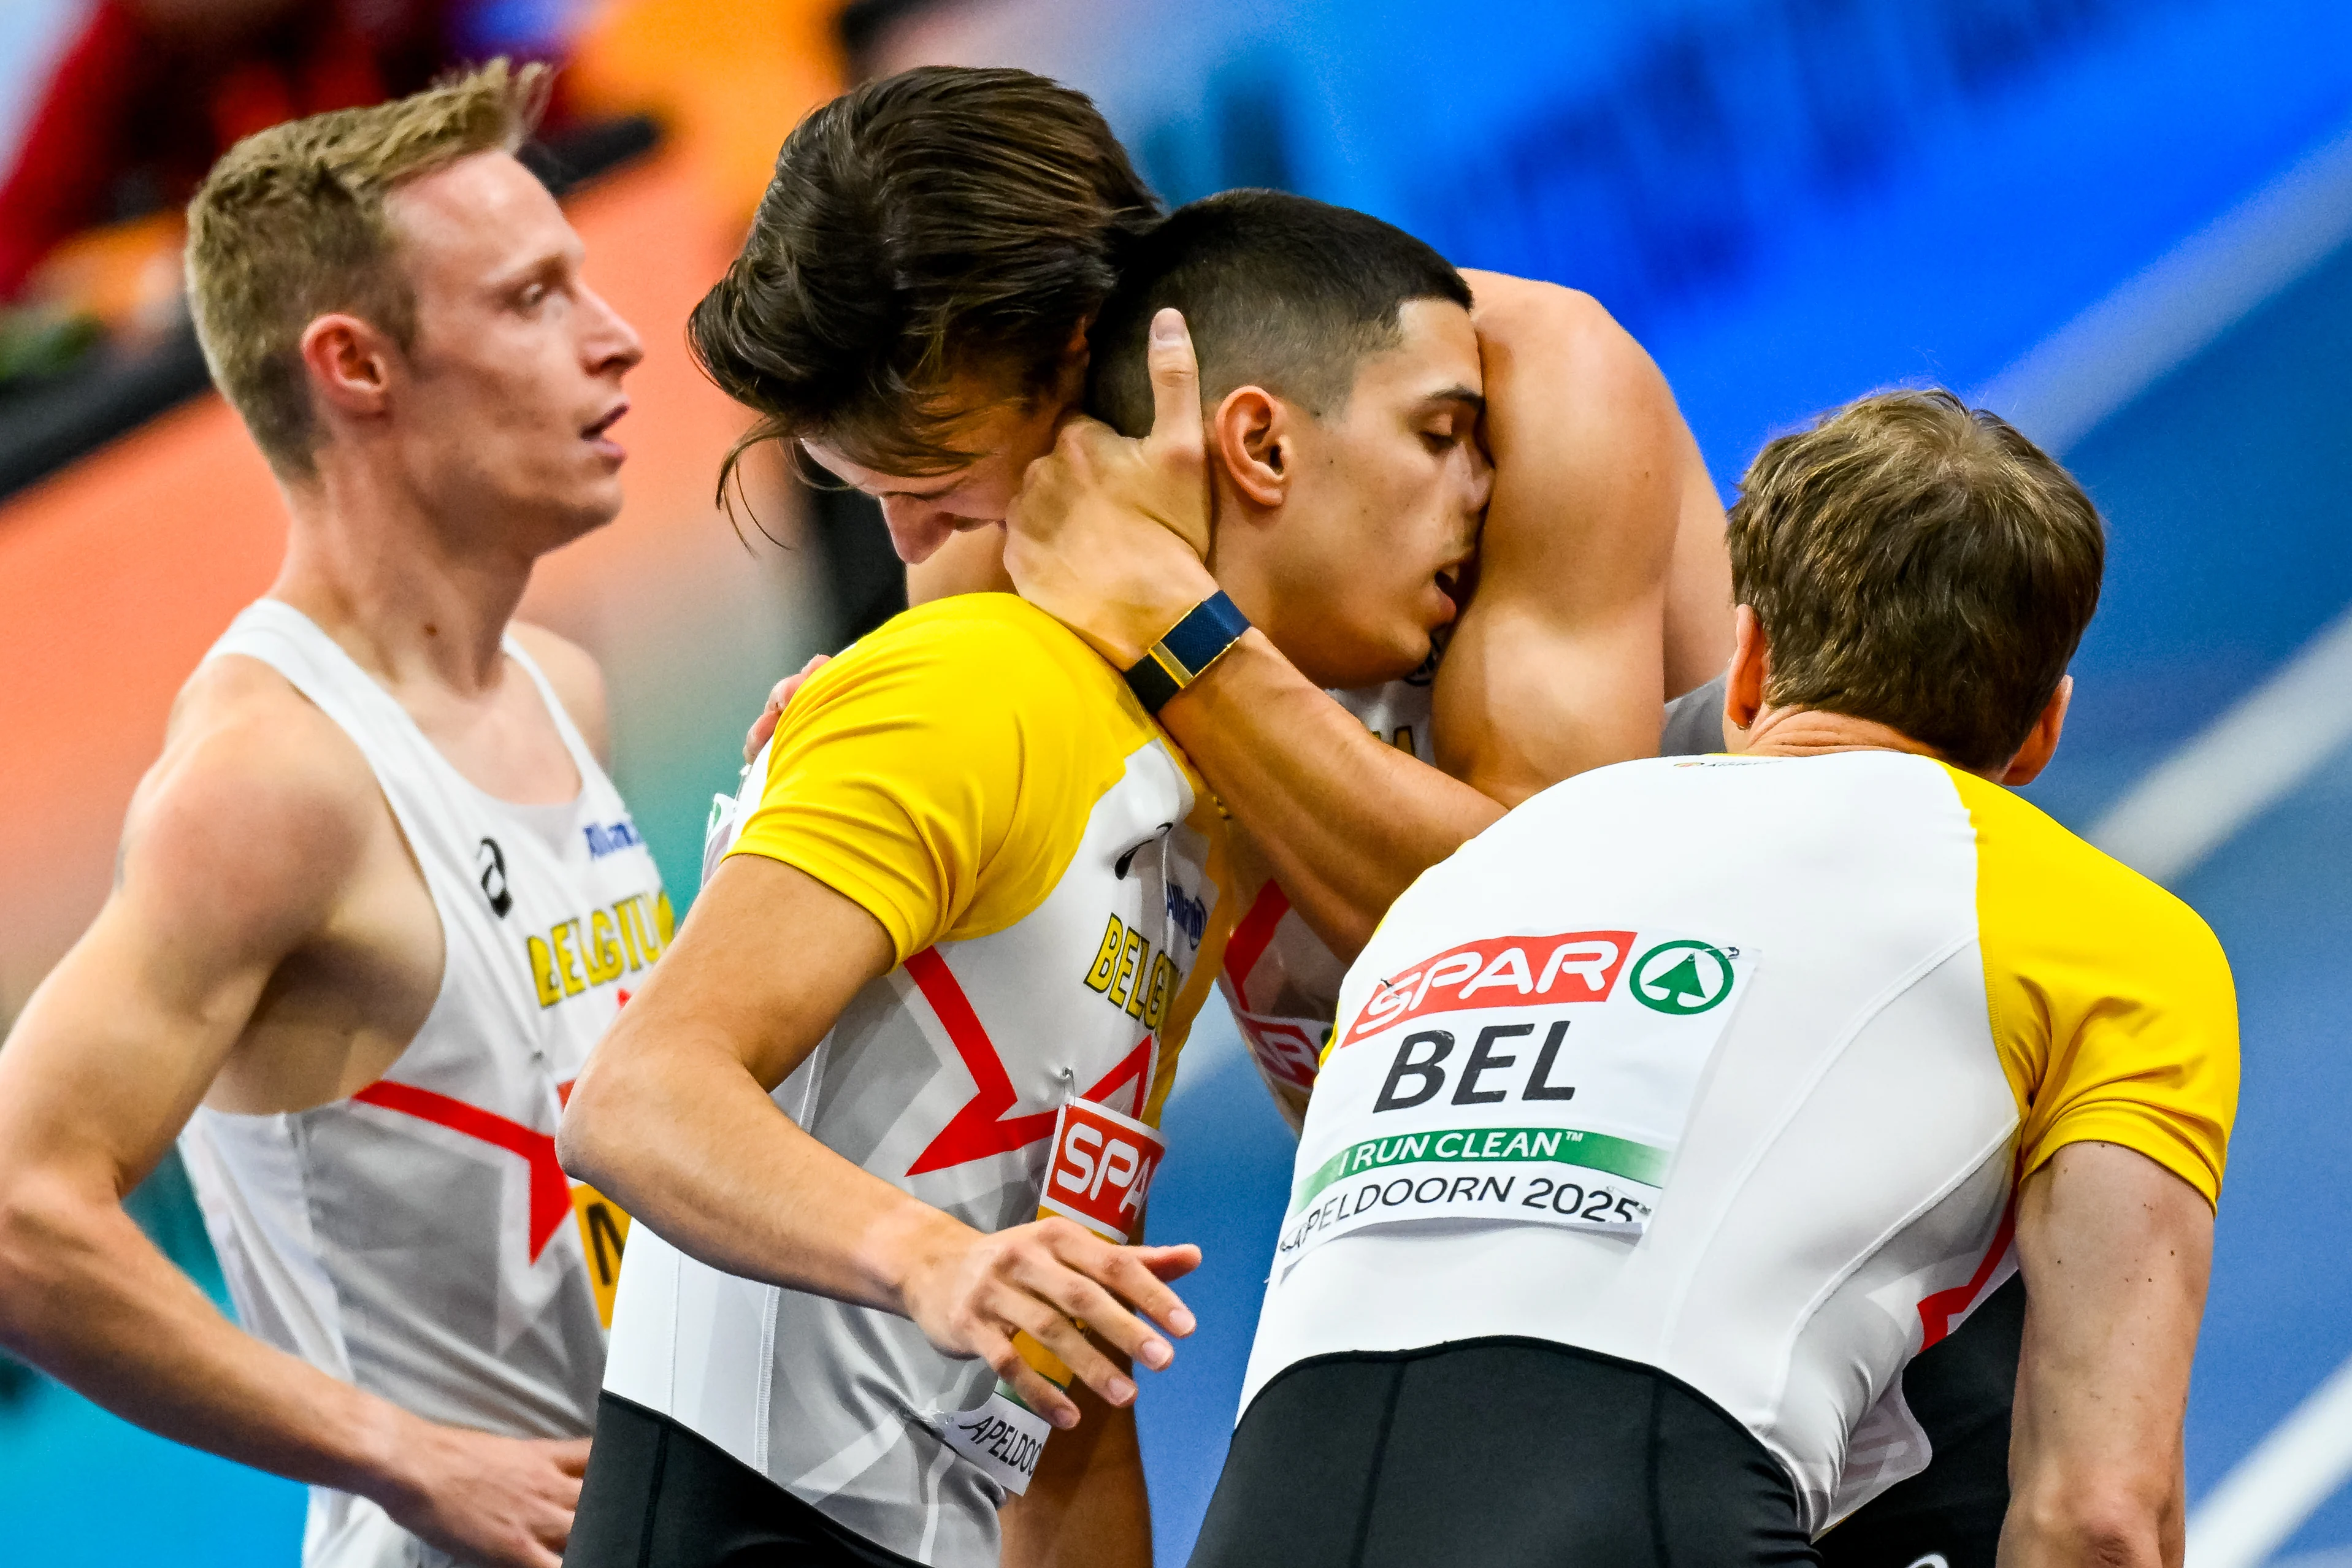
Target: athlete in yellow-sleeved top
1664, 1125
1048, 871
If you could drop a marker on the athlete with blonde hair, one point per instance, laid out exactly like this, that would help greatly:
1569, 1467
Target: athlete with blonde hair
377, 897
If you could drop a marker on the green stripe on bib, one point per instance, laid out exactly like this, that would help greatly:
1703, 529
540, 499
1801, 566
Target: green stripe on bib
1643, 1163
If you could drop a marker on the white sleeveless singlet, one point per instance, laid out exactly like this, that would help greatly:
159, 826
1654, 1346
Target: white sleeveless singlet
418, 1239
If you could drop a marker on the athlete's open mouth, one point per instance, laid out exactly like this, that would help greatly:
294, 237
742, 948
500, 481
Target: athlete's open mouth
595, 432
1448, 582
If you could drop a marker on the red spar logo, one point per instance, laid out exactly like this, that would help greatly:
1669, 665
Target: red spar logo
1500, 972
1101, 1169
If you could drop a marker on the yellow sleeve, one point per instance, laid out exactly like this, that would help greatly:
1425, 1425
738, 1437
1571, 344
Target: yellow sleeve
2111, 1003
940, 773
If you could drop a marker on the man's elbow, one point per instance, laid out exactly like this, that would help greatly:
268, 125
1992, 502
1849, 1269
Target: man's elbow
45, 1222
2116, 1523
585, 1138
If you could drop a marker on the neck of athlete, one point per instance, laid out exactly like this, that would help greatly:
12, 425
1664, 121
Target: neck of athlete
412, 596
1753, 727
1809, 732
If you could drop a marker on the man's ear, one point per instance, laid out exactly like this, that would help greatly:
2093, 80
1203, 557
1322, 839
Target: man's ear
1250, 433
349, 363
1744, 681
2043, 741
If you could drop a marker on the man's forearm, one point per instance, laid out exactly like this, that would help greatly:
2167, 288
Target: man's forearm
86, 1297
683, 1137
1347, 820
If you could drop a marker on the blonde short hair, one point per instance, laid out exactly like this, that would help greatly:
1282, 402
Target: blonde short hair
290, 225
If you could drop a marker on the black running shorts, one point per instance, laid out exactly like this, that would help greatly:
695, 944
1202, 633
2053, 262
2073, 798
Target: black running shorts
1505, 1453
658, 1495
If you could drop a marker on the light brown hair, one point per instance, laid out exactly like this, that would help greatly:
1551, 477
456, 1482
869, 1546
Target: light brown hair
945, 220
1921, 564
290, 225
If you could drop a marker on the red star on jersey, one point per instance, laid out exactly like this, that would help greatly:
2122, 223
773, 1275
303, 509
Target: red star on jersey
550, 1190
980, 1129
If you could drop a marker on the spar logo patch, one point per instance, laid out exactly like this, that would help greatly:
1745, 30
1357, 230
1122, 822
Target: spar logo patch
1499, 972
1682, 978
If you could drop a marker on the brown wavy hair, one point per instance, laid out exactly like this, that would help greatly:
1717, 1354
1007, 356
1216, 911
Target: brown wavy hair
944, 222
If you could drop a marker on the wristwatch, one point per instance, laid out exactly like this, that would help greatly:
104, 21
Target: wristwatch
1189, 647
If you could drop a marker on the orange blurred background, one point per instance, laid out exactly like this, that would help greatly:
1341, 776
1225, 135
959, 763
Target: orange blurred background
119, 571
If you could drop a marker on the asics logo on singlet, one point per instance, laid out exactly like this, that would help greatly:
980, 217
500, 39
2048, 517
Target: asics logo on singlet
1501, 971
490, 864
611, 838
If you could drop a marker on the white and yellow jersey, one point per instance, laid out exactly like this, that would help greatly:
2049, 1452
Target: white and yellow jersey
1049, 872
1731, 1067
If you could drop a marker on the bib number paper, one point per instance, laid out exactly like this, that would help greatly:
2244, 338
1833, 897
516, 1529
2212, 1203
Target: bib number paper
1004, 1437
1529, 1079
1098, 1174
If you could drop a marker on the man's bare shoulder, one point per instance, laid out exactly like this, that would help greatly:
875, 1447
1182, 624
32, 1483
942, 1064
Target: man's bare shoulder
257, 796
578, 680
1565, 329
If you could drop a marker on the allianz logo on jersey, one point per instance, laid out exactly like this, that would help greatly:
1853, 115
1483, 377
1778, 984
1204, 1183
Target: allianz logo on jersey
1189, 915
612, 838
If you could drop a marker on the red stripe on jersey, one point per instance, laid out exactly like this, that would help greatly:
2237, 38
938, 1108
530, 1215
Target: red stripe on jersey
1937, 1311
980, 1129
1246, 946
550, 1189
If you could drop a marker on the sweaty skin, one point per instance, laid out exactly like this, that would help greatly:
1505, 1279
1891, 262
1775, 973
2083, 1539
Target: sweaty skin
270, 944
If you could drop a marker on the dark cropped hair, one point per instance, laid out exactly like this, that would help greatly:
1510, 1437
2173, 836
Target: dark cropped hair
1919, 563
1279, 292
938, 223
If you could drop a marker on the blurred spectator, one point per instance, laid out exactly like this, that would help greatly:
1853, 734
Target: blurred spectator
145, 94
